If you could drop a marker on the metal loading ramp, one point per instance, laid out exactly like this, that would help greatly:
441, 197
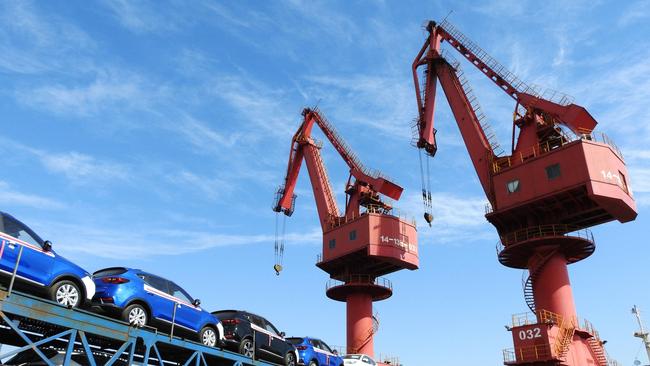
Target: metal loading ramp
55, 335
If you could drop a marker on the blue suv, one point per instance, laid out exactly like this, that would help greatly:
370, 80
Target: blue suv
314, 352
40, 269
141, 299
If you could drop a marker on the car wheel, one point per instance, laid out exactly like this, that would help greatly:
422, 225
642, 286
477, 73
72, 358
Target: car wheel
290, 359
313, 363
136, 315
208, 336
66, 293
246, 347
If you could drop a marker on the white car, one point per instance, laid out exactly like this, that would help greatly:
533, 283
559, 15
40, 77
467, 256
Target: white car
360, 360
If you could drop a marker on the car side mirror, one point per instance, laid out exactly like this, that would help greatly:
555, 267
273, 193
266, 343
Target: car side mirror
196, 302
336, 352
282, 334
47, 246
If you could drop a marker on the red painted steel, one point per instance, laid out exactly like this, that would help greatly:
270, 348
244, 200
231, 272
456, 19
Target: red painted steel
559, 179
360, 244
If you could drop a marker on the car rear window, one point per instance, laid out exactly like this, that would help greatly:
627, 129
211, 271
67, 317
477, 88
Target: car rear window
295, 340
225, 314
109, 272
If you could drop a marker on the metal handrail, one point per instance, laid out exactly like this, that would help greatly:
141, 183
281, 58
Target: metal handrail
542, 231
360, 279
543, 148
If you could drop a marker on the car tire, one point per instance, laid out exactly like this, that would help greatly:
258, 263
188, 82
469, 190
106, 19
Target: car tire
290, 359
209, 336
312, 363
246, 347
136, 315
66, 293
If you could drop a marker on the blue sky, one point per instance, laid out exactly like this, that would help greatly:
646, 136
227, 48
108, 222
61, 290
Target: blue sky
153, 135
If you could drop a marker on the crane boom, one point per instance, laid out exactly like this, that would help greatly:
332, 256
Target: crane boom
363, 191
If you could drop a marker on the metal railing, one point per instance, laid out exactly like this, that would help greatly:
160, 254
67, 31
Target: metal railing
543, 316
543, 148
519, 85
336, 221
530, 353
329, 129
543, 231
360, 279
481, 117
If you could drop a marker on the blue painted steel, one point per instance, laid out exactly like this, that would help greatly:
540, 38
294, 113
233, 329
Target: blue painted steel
74, 330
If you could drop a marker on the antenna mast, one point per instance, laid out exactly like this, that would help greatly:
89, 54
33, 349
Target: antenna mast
642, 333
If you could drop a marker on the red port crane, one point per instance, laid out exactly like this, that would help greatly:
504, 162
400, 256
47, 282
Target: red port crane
361, 244
558, 180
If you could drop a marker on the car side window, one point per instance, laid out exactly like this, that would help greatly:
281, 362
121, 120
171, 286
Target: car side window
271, 328
314, 343
178, 292
19, 231
156, 282
257, 321
325, 347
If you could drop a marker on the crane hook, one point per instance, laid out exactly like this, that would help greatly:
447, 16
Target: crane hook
278, 269
428, 218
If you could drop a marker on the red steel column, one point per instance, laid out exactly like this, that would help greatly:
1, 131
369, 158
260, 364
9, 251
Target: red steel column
359, 329
552, 288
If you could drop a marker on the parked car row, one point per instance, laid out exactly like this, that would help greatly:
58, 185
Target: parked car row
143, 299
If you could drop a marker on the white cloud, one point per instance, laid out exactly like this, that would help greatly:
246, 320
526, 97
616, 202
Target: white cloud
457, 219
201, 136
211, 188
9, 196
106, 243
81, 168
634, 13
141, 16
78, 168
31, 42
110, 90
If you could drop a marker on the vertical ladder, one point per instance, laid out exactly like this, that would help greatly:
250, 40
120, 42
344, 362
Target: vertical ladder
475, 105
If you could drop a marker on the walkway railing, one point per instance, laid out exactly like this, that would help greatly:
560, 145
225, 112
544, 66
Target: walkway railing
540, 149
361, 280
543, 231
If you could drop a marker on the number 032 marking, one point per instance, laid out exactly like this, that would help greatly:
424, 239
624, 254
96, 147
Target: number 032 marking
530, 333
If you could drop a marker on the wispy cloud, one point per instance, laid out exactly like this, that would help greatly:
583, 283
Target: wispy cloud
634, 13
9, 196
32, 42
201, 135
211, 188
143, 16
78, 168
108, 90
106, 243
457, 219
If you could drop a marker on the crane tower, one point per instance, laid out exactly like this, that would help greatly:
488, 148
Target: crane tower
558, 179
361, 244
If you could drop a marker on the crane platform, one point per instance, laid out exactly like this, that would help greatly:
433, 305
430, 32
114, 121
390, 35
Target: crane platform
55, 335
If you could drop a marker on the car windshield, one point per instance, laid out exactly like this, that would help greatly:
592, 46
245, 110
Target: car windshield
225, 314
295, 340
352, 357
109, 272
18, 230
